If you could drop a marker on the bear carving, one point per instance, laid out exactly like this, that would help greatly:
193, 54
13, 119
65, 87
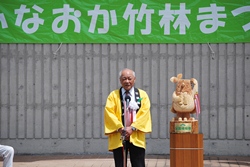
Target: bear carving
183, 103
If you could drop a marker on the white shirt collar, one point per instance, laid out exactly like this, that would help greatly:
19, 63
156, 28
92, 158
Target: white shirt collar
131, 91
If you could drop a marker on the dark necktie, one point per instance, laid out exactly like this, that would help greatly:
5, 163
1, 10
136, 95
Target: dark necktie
127, 93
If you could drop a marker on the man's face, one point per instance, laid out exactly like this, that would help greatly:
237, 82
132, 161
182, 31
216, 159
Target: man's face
127, 79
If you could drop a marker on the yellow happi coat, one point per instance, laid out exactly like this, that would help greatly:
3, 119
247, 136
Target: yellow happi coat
113, 121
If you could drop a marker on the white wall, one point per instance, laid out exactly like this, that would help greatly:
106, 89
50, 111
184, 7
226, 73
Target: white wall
53, 102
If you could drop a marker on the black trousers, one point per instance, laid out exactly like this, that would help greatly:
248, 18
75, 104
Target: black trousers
137, 155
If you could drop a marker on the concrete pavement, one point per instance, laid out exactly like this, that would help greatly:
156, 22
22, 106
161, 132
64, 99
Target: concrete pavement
106, 160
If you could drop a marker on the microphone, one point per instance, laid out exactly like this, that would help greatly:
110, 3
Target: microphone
127, 99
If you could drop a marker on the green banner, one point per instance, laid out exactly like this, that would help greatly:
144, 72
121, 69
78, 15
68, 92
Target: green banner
124, 21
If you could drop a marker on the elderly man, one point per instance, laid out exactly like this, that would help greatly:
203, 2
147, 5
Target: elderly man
136, 128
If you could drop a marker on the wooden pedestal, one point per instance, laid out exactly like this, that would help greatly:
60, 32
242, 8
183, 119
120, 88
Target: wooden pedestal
186, 150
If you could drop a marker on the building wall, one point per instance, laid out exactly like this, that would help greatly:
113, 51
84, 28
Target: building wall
53, 95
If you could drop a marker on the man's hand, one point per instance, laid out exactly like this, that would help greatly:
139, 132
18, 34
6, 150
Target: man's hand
126, 132
120, 130
129, 131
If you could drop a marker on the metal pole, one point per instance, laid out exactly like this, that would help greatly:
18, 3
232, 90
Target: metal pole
124, 136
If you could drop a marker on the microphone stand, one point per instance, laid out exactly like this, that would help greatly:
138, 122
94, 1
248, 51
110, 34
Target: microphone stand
124, 136
125, 104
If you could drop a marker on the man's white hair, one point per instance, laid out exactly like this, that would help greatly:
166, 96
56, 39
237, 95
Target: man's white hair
120, 73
